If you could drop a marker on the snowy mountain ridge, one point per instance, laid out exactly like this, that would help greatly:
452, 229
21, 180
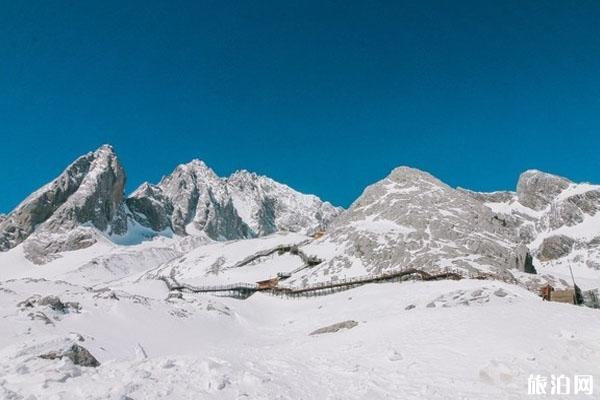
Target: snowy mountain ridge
110, 316
411, 219
86, 202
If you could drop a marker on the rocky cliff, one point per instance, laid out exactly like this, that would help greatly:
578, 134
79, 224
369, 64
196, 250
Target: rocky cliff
88, 193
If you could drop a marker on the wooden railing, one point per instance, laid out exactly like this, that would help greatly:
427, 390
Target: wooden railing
246, 288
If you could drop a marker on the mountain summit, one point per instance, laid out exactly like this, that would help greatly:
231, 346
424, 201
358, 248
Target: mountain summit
88, 192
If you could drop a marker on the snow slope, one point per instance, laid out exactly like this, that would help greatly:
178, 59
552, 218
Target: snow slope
481, 340
218, 263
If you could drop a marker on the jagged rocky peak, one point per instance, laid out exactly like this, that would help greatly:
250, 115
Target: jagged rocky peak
89, 191
537, 189
150, 207
192, 199
195, 200
188, 177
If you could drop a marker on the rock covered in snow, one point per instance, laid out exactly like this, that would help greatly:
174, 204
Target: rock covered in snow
554, 247
553, 215
78, 355
270, 206
150, 207
485, 197
537, 189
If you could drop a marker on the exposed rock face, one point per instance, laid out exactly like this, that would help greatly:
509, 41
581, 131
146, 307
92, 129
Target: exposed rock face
194, 199
411, 219
555, 247
89, 192
571, 210
150, 207
536, 189
485, 197
79, 355
554, 217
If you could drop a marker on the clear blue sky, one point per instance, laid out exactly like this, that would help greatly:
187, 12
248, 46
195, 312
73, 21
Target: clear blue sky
325, 96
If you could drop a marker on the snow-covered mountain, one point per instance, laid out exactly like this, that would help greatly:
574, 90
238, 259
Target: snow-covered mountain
193, 199
86, 204
411, 219
111, 316
61, 215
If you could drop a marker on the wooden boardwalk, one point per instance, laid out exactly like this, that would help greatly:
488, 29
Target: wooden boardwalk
348, 283
246, 289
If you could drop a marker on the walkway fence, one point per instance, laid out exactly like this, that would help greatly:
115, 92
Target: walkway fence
246, 289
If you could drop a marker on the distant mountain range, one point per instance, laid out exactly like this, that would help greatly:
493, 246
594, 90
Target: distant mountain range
410, 218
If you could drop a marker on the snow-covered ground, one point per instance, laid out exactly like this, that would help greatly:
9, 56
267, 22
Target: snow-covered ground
220, 263
436, 340
96, 289
467, 339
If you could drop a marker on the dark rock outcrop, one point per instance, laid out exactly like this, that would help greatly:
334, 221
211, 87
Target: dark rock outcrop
150, 208
524, 260
79, 355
